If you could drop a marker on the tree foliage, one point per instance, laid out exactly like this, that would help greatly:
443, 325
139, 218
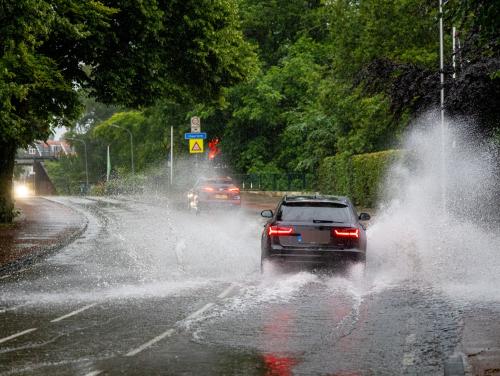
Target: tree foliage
284, 84
343, 77
120, 51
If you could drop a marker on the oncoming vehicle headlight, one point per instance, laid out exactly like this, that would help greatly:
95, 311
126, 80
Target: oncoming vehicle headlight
21, 190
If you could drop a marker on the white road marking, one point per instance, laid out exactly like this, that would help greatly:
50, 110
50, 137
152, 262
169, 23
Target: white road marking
74, 313
200, 311
5, 276
167, 333
94, 373
409, 355
226, 292
3, 310
408, 359
411, 339
2, 340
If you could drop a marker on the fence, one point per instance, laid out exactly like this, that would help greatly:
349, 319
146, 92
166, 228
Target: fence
272, 182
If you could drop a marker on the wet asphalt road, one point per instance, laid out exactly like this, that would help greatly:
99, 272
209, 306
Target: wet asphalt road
149, 289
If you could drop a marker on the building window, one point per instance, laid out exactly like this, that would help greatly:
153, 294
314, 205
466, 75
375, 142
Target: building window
31, 150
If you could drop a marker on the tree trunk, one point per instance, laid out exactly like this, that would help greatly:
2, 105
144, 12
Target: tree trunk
7, 159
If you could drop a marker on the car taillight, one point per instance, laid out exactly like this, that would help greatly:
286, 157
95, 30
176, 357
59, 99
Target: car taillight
346, 233
280, 231
234, 190
208, 189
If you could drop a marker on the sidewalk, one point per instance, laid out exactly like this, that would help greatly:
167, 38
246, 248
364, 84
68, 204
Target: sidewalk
481, 342
258, 201
42, 227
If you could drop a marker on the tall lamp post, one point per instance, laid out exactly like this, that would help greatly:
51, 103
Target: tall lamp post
443, 125
131, 145
86, 160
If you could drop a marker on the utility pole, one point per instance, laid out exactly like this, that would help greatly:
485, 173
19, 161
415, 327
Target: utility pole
441, 61
443, 130
131, 145
454, 35
171, 156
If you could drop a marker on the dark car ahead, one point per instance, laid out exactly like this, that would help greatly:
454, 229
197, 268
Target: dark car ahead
314, 230
214, 192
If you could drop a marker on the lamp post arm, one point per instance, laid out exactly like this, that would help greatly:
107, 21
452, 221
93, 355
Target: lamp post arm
131, 145
86, 159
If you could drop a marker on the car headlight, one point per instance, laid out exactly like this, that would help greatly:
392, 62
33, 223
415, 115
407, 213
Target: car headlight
21, 190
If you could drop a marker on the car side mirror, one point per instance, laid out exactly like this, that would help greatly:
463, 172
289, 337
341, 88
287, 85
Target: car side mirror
364, 217
266, 213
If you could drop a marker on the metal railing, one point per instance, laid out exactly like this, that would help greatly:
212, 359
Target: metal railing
272, 182
44, 153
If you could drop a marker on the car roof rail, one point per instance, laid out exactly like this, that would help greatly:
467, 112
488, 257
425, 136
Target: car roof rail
315, 196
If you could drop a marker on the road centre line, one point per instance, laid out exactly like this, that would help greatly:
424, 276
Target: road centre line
8, 309
411, 338
169, 332
409, 356
136, 351
408, 359
2, 340
74, 312
94, 373
200, 311
227, 291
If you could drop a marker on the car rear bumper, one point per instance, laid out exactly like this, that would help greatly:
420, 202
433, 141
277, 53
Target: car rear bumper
314, 256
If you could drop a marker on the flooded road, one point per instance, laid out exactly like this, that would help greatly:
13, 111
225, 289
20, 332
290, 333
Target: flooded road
149, 289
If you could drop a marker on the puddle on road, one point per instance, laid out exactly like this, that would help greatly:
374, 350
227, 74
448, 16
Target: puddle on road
142, 251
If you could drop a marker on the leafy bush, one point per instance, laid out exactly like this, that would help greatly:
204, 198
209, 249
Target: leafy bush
357, 176
334, 175
67, 174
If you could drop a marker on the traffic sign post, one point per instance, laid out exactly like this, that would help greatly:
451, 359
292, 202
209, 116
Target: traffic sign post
196, 137
195, 145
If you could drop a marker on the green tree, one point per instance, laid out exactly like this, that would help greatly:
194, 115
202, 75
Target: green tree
275, 25
121, 52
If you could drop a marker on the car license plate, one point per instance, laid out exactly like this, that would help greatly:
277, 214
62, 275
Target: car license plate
315, 236
221, 197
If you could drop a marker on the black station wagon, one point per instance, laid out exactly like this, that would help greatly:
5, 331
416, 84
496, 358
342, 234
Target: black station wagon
314, 230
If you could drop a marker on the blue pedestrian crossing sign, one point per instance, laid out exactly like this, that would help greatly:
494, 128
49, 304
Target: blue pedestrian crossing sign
190, 136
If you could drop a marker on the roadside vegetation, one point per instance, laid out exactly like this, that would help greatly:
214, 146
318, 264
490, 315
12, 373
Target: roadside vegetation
289, 86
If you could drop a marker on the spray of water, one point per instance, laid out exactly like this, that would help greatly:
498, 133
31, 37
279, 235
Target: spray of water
456, 249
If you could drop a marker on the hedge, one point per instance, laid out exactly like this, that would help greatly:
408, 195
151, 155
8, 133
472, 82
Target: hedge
357, 177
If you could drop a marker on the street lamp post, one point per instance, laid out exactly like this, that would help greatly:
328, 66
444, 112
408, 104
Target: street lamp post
86, 160
131, 145
443, 124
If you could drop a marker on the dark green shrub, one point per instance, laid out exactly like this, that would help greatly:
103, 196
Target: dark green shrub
358, 176
334, 176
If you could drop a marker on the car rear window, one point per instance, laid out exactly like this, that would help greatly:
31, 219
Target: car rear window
218, 181
309, 212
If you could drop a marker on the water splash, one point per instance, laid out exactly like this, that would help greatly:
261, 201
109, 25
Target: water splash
457, 250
